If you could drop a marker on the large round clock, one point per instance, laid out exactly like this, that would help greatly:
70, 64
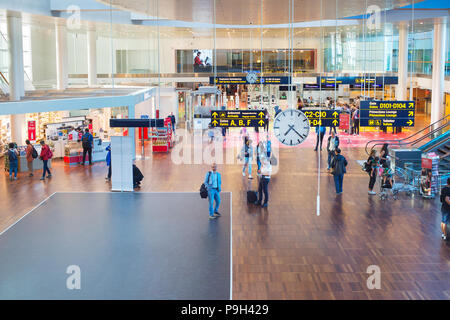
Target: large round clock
291, 127
252, 77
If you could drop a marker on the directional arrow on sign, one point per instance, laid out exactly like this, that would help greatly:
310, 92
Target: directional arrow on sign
335, 122
261, 122
214, 114
215, 122
411, 114
261, 114
335, 114
409, 122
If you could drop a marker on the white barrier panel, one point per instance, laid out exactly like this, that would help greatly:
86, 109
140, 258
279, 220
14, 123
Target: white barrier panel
122, 163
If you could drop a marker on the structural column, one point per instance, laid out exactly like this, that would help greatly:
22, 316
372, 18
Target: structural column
15, 52
61, 55
437, 80
92, 56
400, 93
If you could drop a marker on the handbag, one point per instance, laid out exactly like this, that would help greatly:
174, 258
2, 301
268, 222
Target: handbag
203, 189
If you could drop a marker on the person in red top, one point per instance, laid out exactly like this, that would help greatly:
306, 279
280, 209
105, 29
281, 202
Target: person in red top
197, 61
46, 154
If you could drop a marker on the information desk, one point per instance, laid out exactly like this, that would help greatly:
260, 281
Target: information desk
38, 164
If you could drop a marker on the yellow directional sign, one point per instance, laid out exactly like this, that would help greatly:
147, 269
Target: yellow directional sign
410, 122
238, 118
411, 114
323, 118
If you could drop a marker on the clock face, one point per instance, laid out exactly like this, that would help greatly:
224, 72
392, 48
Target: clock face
291, 127
251, 77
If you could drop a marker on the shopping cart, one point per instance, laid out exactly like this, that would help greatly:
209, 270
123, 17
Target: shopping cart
406, 181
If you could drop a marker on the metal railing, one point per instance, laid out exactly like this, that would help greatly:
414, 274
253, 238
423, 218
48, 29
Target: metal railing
414, 139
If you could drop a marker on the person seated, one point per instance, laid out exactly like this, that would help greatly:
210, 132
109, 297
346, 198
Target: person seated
137, 177
425, 184
387, 176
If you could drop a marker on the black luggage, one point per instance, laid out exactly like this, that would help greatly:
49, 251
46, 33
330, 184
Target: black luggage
252, 196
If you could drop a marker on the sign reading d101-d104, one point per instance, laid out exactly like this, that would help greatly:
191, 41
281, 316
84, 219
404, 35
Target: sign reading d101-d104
387, 113
238, 118
322, 118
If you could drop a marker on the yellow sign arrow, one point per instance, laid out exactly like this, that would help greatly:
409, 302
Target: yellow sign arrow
261, 114
261, 122
214, 122
335, 114
411, 114
335, 122
410, 122
214, 114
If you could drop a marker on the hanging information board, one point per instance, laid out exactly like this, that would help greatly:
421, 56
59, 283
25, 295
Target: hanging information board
238, 118
387, 113
323, 118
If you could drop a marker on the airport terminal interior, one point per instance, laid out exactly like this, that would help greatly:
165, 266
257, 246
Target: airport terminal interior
225, 149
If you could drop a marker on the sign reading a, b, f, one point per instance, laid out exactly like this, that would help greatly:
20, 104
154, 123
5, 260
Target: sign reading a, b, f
373, 21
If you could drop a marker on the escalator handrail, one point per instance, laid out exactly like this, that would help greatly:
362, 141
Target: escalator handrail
414, 134
399, 141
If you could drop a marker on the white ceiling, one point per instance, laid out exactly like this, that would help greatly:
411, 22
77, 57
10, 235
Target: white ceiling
244, 12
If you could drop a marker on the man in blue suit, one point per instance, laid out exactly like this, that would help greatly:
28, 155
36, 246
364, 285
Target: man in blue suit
213, 183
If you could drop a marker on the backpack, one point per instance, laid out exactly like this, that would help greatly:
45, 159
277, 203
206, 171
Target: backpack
12, 155
34, 153
85, 141
203, 189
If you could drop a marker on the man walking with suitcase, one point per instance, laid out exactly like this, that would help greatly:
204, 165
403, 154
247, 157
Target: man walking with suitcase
213, 183
266, 170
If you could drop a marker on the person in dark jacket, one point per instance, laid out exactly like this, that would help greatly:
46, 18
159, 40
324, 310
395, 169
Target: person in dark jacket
339, 164
384, 153
87, 142
374, 164
173, 121
13, 157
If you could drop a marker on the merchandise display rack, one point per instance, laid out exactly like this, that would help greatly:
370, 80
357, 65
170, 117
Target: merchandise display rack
162, 137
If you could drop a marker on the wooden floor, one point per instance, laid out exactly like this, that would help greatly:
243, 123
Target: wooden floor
286, 251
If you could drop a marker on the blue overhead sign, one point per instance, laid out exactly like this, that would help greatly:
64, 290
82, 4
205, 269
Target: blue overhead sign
387, 113
358, 80
244, 80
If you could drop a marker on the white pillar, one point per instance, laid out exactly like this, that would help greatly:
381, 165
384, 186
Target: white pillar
92, 57
18, 129
400, 93
15, 52
437, 78
61, 56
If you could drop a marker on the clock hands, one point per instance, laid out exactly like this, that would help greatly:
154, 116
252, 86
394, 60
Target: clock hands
292, 127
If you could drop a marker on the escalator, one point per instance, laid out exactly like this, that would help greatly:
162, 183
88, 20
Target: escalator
433, 138
440, 146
